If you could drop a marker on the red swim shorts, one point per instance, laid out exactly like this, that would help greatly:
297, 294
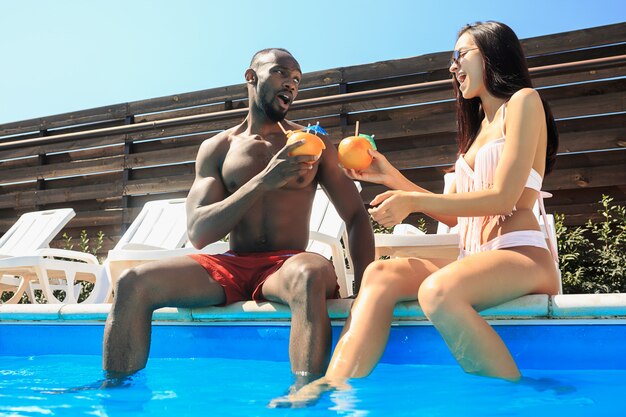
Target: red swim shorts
242, 274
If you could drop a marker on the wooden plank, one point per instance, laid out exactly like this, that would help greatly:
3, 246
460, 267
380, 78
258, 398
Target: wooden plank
577, 55
98, 114
62, 146
66, 190
94, 205
165, 156
170, 143
209, 108
195, 98
577, 77
11, 164
592, 122
586, 196
583, 90
162, 172
177, 183
114, 163
17, 188
592, 140
138, 201
584, 38
67, 196
187, 129
20, 137
85, 154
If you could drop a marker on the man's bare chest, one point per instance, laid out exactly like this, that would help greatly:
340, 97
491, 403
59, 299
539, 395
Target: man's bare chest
244, 160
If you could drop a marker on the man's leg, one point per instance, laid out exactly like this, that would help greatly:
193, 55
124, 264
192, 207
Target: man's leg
175, 282
304, 282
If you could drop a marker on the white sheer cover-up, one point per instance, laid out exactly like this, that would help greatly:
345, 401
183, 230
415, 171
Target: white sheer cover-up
481, 177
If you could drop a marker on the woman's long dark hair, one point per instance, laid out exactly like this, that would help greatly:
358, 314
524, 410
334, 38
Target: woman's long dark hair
505, 73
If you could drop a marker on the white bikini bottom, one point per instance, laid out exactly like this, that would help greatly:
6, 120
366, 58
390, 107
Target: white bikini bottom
511, 240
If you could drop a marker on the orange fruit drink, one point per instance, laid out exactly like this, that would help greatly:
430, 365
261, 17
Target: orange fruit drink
354, 152
312, 145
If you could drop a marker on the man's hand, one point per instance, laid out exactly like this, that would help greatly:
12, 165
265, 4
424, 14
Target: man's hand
282, 168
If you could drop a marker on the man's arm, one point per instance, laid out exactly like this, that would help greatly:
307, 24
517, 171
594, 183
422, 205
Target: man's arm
344, 195
211, 211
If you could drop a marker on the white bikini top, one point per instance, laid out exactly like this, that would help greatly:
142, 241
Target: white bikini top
482, 178
487, 158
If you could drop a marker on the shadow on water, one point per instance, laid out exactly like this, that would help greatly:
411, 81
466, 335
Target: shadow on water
114, 394
108, 382
548, 384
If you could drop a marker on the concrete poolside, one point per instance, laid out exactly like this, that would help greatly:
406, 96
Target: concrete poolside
531, 307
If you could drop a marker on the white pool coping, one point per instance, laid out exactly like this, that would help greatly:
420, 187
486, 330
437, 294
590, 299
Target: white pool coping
530, 307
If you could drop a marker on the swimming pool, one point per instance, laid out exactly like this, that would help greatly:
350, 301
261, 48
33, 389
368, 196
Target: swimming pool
575, 367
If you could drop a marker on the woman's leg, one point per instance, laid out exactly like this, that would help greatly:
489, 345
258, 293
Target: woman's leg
452, 297
366, 331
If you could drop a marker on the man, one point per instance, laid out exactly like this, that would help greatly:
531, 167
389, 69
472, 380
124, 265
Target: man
247, 185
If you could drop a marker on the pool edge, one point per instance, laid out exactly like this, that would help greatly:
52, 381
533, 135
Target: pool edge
530, 307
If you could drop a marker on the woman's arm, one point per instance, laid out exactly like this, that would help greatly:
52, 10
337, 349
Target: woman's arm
383, 172
525, 124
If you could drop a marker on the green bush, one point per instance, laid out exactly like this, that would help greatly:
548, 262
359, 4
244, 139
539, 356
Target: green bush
87, 245
379, 228
592, 257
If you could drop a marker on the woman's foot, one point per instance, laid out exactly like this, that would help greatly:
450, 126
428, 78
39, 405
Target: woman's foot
308, 394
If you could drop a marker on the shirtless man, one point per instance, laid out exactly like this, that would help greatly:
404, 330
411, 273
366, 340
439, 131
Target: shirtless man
247, 185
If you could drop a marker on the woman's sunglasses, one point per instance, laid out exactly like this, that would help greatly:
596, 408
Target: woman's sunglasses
457, 54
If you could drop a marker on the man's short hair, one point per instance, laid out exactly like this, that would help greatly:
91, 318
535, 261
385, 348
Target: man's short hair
262, 52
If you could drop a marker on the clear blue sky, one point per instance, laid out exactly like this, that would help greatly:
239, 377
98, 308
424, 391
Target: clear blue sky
67, 55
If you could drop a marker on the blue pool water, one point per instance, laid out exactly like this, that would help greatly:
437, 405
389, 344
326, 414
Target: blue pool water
576, 370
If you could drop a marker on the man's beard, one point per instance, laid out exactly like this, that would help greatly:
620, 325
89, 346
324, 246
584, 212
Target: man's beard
273, 114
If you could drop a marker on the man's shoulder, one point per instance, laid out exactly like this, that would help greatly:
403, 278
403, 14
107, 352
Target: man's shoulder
220, 139
217, 144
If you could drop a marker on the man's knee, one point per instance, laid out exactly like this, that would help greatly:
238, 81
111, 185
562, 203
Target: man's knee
131, 286
310, 281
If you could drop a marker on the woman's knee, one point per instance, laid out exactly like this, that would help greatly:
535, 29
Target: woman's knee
383, 274
435, 296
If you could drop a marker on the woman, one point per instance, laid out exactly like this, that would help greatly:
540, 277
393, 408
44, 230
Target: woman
508, 140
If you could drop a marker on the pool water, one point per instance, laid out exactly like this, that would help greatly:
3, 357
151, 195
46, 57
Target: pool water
38, 386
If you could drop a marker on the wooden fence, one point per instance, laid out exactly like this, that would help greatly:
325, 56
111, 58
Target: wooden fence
107, 162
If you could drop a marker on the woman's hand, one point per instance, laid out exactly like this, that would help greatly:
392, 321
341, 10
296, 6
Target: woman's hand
392, 207
379, 172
